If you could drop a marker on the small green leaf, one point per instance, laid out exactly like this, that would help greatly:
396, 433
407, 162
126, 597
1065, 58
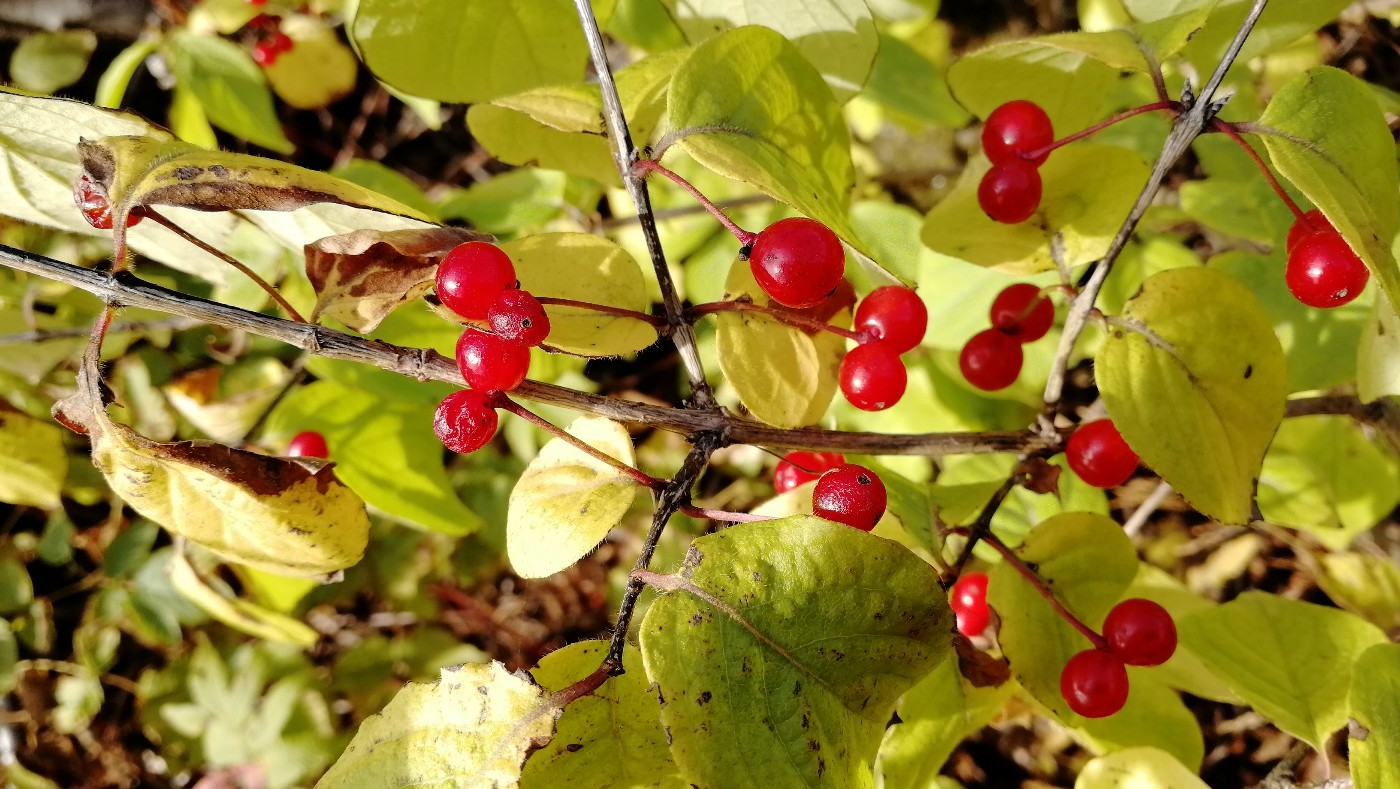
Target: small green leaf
1199, 410
1281, 25
1138, 768
1291, 661
566, 502
1366, 585
33, 460
230, 86
112, 85
1374, 739
9, 656
781, 648
47, 62
910, 84
1339, 152
78, 697
16, 587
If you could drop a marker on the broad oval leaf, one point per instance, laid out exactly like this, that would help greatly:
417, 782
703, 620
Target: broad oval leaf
48, 61
780, 648
1138, 768
33, 460
1197, 387
473, 727
1373, 743
1289, 660
566, 502
317, 70
1338, 150
230, 87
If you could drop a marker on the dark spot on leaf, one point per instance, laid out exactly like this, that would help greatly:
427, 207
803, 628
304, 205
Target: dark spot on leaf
796, 688
696, 619
668, 737
838, 654
1380, 329
813, 745
744, 668
806, 720
188, 173
218, 170
757, 578
879, 615
821, 766
1117, 334
1248, 370
574, 747
704, 698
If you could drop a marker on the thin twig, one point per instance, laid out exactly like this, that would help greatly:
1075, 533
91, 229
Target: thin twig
656, 323
980, 529
1229, 130
1174, 106
789, 317
1046, 592
684, 211
746, 237
642, 478
1144, 511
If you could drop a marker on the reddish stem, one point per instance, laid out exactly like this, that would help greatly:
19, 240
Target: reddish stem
777, 313
1228, 129
657, 323
1174, 106
723, 515
651, 166
1035, 580
503, 402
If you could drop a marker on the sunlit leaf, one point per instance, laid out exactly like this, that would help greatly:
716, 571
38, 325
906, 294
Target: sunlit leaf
229, 85
33, 460
317, 70
1138, 768
238, 614
1378, 355
46, 62
1373, 743
1366, 585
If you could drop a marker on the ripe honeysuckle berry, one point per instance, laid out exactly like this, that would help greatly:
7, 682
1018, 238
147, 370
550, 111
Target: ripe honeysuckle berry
308, 444
1140, 632
1311, 222
1009, 193
518, 316
894, 315
1015, 129
873, 377
798, 262
1022, 312
95, 207
850, 494
281, 43
1094, 683
969, 603
465, 421
991, 360
1099, 455
797, 468
1323, 271
472, 276
491, 363
265, 53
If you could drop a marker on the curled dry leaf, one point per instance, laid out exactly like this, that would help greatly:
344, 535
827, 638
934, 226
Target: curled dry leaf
361, 277
289, 517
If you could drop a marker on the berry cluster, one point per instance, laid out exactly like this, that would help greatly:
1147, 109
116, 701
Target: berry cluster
969, 604
1014, 139
1322, 269
850, 494
271, 42
95, 206
992, 359
1137, 632
1099, 455
889, 321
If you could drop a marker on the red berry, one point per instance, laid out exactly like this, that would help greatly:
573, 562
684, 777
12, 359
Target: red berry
519, 317
1311, 222
991, 360
893, 315
970, 603
465, 421
308, 444
850, 494
491, 363
265, 53
1010, 192
1140, 632
95, 206
1021, 312
1015, 129
1099, 455
797, 468
798, 262
873, 377
472, 276
1094, 683
257, 2
1324, 272
281, 43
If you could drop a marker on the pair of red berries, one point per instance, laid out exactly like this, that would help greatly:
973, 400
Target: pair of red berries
969, 604
1137, 632
95, 206
1013, 138
992, 359
1097, 452
891, 321
1322, 270
844, 493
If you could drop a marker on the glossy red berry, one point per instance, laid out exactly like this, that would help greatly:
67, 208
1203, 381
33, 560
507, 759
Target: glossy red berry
1099, 455
1324, 272
1009, 193
991, 360
281, 43
95, 206
798, 262
850, 494
797, 468
872, 376
1140, 632
490, 363
1022, 312
1094, 683
465, 421
265, 53
893, 315
1015, 129
518, 316
1311, 222
969, 603
472, 276
308, 444
257, 2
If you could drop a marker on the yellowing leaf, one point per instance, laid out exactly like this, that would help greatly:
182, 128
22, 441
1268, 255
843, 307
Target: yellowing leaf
1366, 585
238, 614
566, 502
318, 69
1198, 390
471, 728
1138, 768
1378, 355
33, 461
1374, 741
224, 402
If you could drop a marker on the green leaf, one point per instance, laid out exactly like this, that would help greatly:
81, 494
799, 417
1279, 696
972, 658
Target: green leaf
1183, 670
469, 51
77, 699
1281, 25
1154, 716
16, 587
784, 376
238, 614
1137, 768
378, 177
1374, 740
1088, 189
609, 738
47, 62
836, 36
112, 85
508, 202
9, 656
230, 86
1378, 355
33, 460
1200, 411
1366, 585
566, 502
781, 647
909, 83
474, 726
1339, 152
1291, 661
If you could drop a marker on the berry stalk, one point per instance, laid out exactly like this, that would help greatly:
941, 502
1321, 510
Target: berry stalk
722, 515
1040, 153
503, 402
1035, 580
1229, 130
651, 166
777, 313
658, 323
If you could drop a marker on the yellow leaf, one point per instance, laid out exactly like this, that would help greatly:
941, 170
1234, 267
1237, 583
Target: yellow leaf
318, 69
33, 462
240, 615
